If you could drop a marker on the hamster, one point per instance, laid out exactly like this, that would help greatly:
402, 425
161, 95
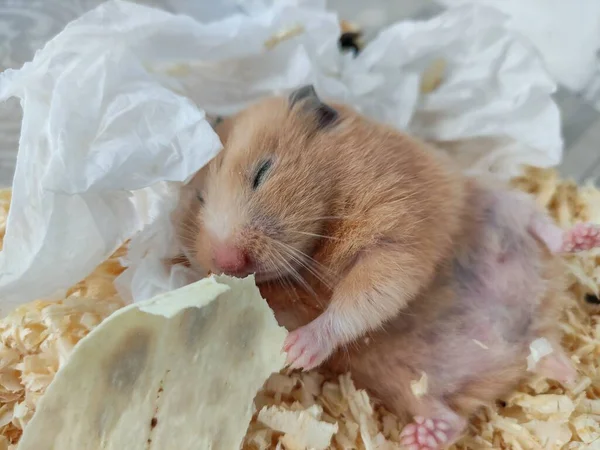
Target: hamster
381, 258
295, 172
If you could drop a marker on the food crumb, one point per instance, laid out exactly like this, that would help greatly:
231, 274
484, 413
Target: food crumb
420, 388
481, 344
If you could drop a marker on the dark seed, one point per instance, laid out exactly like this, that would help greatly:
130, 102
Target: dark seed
349, 41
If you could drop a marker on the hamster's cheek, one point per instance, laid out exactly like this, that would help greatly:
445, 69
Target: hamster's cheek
202, 252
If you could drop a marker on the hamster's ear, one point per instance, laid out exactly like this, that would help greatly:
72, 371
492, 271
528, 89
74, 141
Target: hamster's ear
310, 103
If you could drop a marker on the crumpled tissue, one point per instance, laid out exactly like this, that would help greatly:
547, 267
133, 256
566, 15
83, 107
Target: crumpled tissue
566, 34
115, 119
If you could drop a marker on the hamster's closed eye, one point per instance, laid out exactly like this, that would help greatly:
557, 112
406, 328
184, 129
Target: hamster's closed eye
261, 174
200, 198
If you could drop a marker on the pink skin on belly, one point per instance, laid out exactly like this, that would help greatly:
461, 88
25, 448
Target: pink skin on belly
308, 346
503, 282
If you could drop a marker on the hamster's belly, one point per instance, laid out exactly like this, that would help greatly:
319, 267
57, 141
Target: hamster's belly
478, 317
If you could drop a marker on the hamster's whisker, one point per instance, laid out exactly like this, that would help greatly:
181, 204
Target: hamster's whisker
305, 263
314, 219
281, 278
187, 225
301, 263
295, 274
187, 228
314, 235
346, 351
304, 256
275, 262
185, 237
287, 285
193, 218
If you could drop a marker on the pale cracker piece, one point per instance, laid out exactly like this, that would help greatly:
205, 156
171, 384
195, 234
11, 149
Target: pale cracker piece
162, 374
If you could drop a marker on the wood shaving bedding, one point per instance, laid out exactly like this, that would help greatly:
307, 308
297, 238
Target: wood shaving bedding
315, 410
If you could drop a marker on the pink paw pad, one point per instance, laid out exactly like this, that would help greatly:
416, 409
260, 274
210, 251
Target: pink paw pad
425, 434
583, 236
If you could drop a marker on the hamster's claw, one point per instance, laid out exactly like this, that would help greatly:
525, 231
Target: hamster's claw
306, 347
425, 434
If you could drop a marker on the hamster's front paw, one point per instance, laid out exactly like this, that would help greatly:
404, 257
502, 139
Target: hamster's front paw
308, 346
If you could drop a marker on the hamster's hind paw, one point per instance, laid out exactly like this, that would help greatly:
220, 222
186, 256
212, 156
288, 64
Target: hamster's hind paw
558, 366
425, 434
583, 236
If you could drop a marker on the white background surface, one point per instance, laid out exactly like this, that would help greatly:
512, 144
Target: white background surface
25, 25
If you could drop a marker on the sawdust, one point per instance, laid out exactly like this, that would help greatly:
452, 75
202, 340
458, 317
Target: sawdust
301, 410
37, 338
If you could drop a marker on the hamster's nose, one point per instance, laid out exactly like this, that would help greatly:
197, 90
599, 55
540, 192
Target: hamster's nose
230, 260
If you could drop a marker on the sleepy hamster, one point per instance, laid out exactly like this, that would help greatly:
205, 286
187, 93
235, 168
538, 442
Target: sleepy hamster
354, 230
302, 186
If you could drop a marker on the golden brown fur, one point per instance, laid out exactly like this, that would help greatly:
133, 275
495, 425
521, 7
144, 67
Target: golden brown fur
375, 252
376, 195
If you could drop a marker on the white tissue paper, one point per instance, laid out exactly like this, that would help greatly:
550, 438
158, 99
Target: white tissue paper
567, 34
114, 119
